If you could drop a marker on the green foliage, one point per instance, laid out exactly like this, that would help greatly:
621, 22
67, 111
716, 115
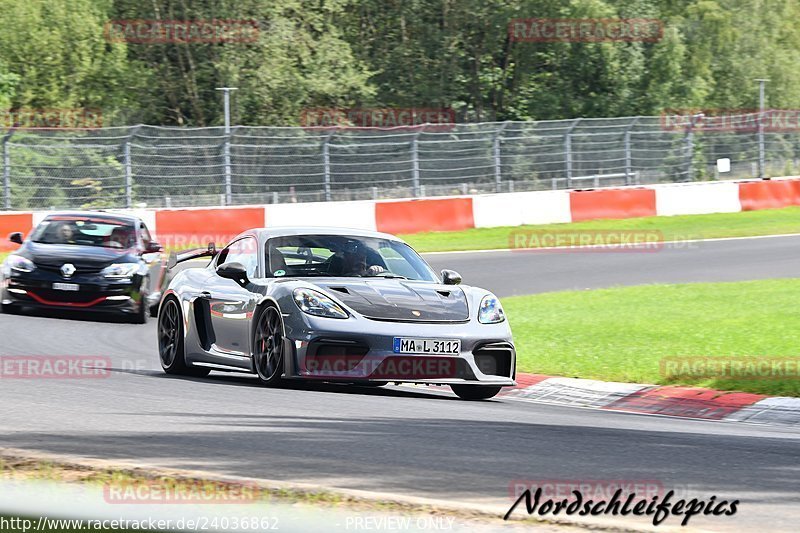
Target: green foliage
400, 53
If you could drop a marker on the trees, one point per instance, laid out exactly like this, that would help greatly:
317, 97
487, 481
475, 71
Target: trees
395, 53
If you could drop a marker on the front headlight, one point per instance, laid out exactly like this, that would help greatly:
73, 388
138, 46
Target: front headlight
490, 310
317, 304
20, 264
120, 270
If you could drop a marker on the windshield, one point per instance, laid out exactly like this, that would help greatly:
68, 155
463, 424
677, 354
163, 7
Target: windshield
344, 256
85, 231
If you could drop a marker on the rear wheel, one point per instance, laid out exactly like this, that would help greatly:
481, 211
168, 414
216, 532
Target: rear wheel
170, 342
475, 392
268, 346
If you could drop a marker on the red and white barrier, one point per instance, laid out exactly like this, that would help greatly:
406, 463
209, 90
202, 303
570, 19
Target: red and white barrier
198, 226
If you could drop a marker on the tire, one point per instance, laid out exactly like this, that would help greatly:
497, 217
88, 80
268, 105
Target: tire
268, 346
8, 309
141, 315
170, 342
475, 392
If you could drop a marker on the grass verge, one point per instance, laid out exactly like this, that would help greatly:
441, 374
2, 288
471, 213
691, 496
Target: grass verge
676, 228
622, 334
20, 466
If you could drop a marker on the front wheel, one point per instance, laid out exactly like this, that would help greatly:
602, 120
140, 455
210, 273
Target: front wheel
170, 342
475, 392
268, 346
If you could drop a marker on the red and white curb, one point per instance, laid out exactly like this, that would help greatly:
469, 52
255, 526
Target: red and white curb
677, 401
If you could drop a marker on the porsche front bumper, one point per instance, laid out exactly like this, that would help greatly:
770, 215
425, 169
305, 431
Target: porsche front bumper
361, 349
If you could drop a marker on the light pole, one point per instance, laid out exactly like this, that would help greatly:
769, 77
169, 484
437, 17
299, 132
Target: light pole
227, 146
761, 104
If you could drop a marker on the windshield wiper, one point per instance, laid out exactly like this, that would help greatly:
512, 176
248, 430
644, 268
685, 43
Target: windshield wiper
387, 275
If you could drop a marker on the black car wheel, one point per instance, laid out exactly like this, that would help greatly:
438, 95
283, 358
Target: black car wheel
142, 313
268, 346
475, 392
170, 342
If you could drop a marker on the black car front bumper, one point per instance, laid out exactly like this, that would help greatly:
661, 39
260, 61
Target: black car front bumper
96, 293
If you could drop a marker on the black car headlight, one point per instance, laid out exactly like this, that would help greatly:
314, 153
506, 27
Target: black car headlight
120, 270
317, 304
18, 263
490, 311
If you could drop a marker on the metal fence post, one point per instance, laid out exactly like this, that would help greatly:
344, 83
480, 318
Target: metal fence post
128, 174
227, 146
628, 150
498, 168
690, 146
129, 168
7, 171
761, 104
568, 151
415, 164
227, 164
326, 162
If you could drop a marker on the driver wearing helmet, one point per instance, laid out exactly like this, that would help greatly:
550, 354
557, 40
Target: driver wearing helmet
355, 261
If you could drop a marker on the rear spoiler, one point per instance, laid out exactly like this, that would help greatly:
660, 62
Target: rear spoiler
188, 255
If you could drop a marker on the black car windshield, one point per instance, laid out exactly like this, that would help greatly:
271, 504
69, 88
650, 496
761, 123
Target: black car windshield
344, 256
85, 231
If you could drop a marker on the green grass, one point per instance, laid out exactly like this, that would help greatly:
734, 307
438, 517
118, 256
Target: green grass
621, 334
677, 228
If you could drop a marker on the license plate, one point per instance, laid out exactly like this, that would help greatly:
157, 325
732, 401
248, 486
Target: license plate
427, 346
66, 287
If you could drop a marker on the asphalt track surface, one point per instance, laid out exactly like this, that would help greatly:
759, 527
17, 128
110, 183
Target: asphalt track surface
521, 272
411, 442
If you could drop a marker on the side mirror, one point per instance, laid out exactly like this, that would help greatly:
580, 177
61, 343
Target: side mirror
15, 237
234, 271
153, 247
451, 277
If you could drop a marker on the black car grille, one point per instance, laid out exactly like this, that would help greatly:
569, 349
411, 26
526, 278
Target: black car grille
336, 347
78, 297
79, 269
494, 359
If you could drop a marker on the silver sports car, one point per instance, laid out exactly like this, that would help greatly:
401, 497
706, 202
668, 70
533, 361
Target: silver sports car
333, 304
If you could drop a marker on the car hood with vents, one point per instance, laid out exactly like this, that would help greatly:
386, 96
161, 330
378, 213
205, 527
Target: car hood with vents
400, 300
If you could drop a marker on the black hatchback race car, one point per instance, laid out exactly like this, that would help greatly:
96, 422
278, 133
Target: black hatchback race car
97, 261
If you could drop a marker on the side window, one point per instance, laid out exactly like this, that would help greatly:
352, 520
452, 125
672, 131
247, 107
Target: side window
146, 239
243, 251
